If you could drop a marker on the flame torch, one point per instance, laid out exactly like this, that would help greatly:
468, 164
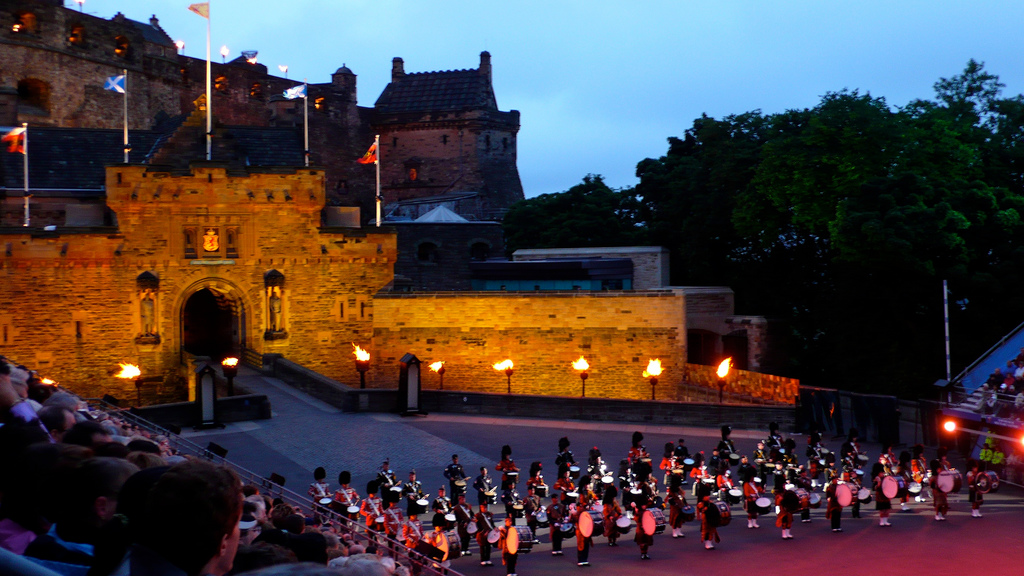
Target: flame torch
723, 372
132, 372
362, 363
439, 368
224, 53
582, 366
230, 367
652, 372
506, 366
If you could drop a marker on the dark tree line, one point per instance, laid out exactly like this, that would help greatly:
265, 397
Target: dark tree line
842, 219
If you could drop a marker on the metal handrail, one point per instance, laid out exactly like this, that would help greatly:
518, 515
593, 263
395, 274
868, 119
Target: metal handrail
358, 532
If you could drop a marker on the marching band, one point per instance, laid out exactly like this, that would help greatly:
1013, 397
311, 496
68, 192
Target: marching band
597, 503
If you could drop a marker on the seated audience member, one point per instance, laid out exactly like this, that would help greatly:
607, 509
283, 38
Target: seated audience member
261, 555
57, 421
88, 502
191, 523
23, 515
88, 434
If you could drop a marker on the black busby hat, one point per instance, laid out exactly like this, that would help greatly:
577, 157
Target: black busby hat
438, 520
773, 426
345, 477
669, 449
637, 438
853, 433
726, 430
371, 487
563, 442
609, 495
535, 467
319, 473
506, 450
918, 450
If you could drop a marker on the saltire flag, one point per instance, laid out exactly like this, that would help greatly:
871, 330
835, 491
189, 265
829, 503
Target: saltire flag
115, 84
295, 92
201, 8
15, 140
371, 155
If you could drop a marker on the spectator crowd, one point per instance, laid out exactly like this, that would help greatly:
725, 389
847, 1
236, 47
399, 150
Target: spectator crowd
87, 492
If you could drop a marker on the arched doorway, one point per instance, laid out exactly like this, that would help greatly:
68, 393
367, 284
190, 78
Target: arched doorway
212, 324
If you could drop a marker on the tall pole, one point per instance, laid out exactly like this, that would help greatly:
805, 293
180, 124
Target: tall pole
126, 148
305, 119
376, 146
945, 311
24, 125
209, 96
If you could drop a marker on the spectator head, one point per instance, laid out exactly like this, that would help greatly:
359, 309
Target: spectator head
90, 495
280, 513
8, 396
88, 434
249, 528
262, 555
293, 523
19, 380
145, 460
192, 517
259, 507
57, 421
144, 445
63, 400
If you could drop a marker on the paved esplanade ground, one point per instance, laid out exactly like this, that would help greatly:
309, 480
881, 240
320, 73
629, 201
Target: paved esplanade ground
306, 433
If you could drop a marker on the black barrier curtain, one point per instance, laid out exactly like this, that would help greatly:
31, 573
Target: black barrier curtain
876, 418
819, 406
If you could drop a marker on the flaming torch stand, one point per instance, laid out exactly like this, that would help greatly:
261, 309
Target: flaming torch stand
230, 371
440, 373
362, 366
654, 382
721, 390
508, 374
583, 380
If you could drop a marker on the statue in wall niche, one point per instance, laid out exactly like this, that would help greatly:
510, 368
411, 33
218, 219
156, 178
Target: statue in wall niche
147, 308
276, 318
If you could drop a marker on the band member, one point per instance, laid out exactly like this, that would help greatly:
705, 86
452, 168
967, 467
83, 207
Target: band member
583, 543
557, 514
751, 492
786, 503
903, 469
484, 487
854, 476
920, 471
774, 441
372, 507
882, 502
668, 460
385, 477
975, 497
442, 504
850, 449
506, 465
531, 505
346, 495
463, 516
834, 509
761, 460
789, 457
436, 538
507, 558
715, 463
564, 484
676, 500
643, 540
564, 454
724, 482
413, 491
536, 478
319, 487
726, 446
625, 476
412, 531
746, 469
887, 459
393, 519
637, 451
939, 498
510, 498
454, 473
484, 524
803, 480
586, 492
709, 517
612, 512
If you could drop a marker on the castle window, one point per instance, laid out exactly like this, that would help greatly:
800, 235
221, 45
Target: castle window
427, 252
444, 139
256, 91
77, 35
220, 84
394, 142
487, 141
121, 47
25, 23
320, 104
232, 243
504, 143
34, 97
479, 251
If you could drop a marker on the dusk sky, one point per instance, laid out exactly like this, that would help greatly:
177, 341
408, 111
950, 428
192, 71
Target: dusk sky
601, 84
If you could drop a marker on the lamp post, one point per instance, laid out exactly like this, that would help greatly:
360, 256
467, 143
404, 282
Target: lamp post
506, 366
81, 5
723, 371
362, 364
652, 372
582, 366
181, 46
230, 367
439, 368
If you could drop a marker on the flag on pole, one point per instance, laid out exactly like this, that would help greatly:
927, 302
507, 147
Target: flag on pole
201, 8
371, 155
295, 92
115, 84
15, 139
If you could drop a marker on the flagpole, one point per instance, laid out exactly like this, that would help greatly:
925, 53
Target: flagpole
24, 125
209, 95
376, 148
126, 148
305, 120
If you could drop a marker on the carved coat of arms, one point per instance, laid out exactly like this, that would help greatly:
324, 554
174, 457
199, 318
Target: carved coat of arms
211, 241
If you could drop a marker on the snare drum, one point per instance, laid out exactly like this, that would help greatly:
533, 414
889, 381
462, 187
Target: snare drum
493, 536
607, 479
623, 524
471, 527
688, 463
864, 496
379, 520
724, 514
541, 490
568, 529
542, 519
325, 502
844, 495
688, 513
914, 488
492, 496
763, 505
987, 481
862, 459
949, 481
571, 497
815, 500
734, 459
735, 496
460, 488
449, 520
574, 472
353, 512
894, 487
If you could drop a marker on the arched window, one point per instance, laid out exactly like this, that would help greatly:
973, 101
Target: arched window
256, 91
320, 104
25, 22
77, 35
121, 46
479, 251
220, 84
33, 96
426, 252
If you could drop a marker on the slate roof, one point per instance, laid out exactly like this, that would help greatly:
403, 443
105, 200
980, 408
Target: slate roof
441, 214
152, 33
438, 91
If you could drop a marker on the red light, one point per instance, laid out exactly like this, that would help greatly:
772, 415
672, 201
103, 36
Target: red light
949, 425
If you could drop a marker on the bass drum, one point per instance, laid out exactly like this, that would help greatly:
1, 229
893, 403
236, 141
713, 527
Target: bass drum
724, 513
735, 496
894, 487
519, 540
623, 524
949, 481
688, 513
987, 481
844, 495
451, 545
653, 521
763, 505
586, 524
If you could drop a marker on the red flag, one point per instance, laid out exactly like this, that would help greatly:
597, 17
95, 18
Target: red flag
15, 140
371, 155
